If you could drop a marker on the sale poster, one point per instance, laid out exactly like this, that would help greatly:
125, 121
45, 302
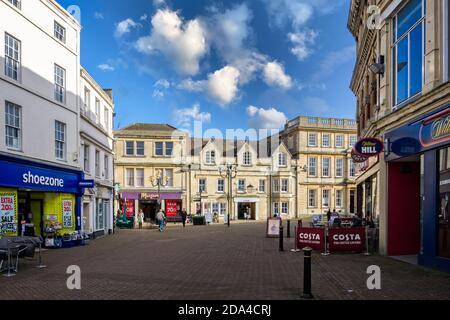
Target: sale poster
8, 213
171, 208
67, 206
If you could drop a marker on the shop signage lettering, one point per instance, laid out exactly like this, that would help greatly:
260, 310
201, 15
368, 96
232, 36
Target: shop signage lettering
369, 147
311, 237
30, 178
352, 240
67, 213
149, 196
8, 213
435, 129
171, 208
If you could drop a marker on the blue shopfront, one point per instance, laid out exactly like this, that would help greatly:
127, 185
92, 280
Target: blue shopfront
40, 200
418, 188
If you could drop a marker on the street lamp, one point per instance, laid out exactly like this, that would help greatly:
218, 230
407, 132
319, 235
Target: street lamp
229, 172
159, 181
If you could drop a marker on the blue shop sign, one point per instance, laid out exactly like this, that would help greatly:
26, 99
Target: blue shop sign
35, 177
85, 184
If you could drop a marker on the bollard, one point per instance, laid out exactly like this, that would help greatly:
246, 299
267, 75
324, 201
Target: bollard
307, 274
228, 221
288, 229
281, 238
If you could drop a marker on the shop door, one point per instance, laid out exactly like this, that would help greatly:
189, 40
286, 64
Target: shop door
444, 226
100, 221
37, 210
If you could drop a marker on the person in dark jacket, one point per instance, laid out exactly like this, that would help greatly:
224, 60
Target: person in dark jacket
183, 217
328, 215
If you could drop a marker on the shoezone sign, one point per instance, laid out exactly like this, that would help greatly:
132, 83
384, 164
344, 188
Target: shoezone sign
343, 240
311, 237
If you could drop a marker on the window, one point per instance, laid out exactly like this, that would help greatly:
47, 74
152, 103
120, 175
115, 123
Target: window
106, 117
129, 148
87, 99
220, 208
326, 140
60, 32
312, 200
130, 177
276, 185
276, 208
15, 3
220, 185
312, 140
241, 185
326, 198
97, 163
106, 166
352, 170
60, 84
159, 149
60, 140
408, 51
140, 180
339, 198
312, 120
285, 208
97, 110
169, 149
282, 159
210, 157
168, 173
339, 122
262, 186
339, 168
13, 126
326, 167
285, 185
247, 158
12, 57
339, 141
325, 121
140, 148
86, 158
202, 185
353, 140
312, 167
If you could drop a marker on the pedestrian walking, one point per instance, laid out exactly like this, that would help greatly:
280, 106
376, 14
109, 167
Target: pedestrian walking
140, 218
161, 220
184, 217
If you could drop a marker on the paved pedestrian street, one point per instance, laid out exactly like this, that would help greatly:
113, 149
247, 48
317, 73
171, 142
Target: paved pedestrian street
213, 262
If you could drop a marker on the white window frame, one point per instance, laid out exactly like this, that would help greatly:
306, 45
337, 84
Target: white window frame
276, 186
312, 139
328, 193
106, 118
326, 168
285, 208
276, 208
242, 184
14, 126
170, 181
164, 149
59, 140
97, 163
16, 3
247, 158
130, 178
282, 159
328, 144
136, 148
202, 185
60, 84
262, 186
341, 167
339, 197
310, 167
220, 185
106, 166
210, 157
139, 180
87, 98
352, 168
284, 186
312, 192
340, 143
59, 32
352, 141
16, 61
87, 158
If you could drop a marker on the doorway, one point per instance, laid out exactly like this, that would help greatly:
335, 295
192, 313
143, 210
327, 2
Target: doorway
150, 208
37, 219
246, 211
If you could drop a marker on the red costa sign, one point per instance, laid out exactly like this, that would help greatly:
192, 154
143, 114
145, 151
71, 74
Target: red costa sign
311, 237
352, 239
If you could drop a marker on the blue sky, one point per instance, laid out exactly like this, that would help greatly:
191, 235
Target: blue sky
232, 64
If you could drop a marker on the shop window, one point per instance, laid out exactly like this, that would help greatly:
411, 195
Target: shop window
12, 57
444, 205
13, 126
408, 51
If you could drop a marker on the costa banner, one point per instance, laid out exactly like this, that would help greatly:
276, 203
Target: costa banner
311, 237
347, 239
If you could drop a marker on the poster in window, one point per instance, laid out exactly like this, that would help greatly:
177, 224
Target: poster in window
8, 213
171, 208
67, 206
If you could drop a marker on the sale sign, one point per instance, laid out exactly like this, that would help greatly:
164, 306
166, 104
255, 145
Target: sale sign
311, 237
171, 208
8, 213
343, 239
130, 207
67, 206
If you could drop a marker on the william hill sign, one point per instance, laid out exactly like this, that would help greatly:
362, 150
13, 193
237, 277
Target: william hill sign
435, 129
369, 147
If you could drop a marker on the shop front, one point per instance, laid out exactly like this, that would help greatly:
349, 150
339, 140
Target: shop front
418, 164
40, 200
247, 208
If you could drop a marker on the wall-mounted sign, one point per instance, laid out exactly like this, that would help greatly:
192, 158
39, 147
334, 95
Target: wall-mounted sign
357, 158
435, 129
85, 184
149, 196
369, 147
405, 147
67, 207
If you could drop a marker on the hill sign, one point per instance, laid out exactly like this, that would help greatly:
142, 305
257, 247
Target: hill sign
369, 147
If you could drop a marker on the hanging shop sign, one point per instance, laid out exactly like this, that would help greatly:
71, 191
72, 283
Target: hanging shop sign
357, 158
311, 237
67, 208
347, 239
8, 213
369, 147
435, 129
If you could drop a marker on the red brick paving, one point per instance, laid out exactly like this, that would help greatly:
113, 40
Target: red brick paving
213, 263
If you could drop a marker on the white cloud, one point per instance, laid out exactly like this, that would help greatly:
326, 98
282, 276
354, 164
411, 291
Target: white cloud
106, 67
99, 16
261, 118
223, 85
185, 117
301, 41
181, 42
191, 85
125, 27
159, 3
144, 17
158, 94
162, 83
274, 75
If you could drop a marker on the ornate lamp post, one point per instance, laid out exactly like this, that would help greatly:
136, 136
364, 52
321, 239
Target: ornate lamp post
229, 172
159, 181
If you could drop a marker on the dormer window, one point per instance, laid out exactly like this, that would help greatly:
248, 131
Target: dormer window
247, 158
282, 159
210, 157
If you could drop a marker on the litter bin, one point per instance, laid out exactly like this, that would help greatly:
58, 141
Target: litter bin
199, 221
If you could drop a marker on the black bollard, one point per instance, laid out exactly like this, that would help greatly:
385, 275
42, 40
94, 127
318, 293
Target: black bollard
288, 229
281, 238
307, 274
228, 220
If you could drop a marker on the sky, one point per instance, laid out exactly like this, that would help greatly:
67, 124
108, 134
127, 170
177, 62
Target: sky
229, 64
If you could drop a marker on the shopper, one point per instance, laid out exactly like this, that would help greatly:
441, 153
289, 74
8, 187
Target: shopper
161, 220
184, 217
140, 218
